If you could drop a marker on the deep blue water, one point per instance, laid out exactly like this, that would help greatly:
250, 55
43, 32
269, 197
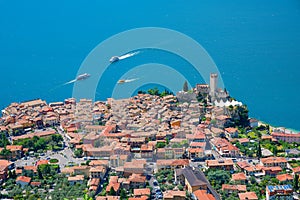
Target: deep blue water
255, 44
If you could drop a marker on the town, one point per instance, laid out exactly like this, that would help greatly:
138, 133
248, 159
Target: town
198, 144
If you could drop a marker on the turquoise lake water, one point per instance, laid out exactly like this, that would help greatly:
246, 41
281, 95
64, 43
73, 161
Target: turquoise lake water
255, 44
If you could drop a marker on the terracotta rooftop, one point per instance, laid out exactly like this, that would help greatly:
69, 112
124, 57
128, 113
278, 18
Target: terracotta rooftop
240, 188
284, 177
41, 162
273, 160
76, 178
169, 194
141, 192
239, 177
24, 179
248, 196
296, 169
203, 195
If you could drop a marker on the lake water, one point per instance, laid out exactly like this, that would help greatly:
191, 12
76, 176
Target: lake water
255, 44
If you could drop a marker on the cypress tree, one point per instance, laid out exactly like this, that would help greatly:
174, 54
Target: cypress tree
185, 86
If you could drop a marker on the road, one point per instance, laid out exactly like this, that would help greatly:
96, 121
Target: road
65, 156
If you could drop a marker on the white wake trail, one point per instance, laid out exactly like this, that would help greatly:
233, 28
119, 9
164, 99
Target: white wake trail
130, 80
128, 55
72, 81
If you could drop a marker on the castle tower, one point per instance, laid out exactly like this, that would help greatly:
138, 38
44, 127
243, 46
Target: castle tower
213, 84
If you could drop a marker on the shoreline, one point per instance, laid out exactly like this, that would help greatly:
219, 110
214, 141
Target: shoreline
282, 128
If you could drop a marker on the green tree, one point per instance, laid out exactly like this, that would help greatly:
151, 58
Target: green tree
154, 91
274, 150
296, 182
185, 86
6, 153
57, 138
123, 194
218, 177
160, 145
180, 187
78, 153
3, 140
259, 154
112, 192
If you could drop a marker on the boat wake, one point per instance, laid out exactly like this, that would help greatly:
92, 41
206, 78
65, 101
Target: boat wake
130, 80
128, 55
69, 82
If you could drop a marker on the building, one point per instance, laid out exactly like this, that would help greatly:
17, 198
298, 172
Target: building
248, 196
174, 195
137, 181
196, 154
274, 162
118, 160
253, 123
279, 192
220, 164
203, 194
98, 172
76, 179
141, 192
23, 180
134, 167
195, 180
213, 85
225, 148
5, 165
233, 188
239, 178
287, 137
284, 178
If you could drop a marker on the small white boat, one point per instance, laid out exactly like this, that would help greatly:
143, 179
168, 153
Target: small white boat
114, 59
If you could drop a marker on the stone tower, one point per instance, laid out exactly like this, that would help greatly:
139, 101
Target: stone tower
213, 84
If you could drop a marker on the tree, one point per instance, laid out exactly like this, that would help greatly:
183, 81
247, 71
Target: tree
112, 192
123, 194
274, 150
154, 91
160, 145
6, 153
3, 140
78, 153
296, 182
185, 86
218, 177
40, 175
57, 138
259, 154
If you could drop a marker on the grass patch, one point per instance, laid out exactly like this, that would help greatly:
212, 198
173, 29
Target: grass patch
53, 160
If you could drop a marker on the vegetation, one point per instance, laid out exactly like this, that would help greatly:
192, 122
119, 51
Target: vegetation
78, 153
249, 150
5, 153
155, 91
296, 182
165, 179
161, 145
37, 143
53, 160
3, 140
185, 86
217, 178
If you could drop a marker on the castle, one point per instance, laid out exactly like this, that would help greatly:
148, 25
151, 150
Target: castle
215, 93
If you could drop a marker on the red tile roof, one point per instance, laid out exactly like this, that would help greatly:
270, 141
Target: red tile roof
24, 179
248, 196
203, 195
141, 192
284, 177
239, 177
